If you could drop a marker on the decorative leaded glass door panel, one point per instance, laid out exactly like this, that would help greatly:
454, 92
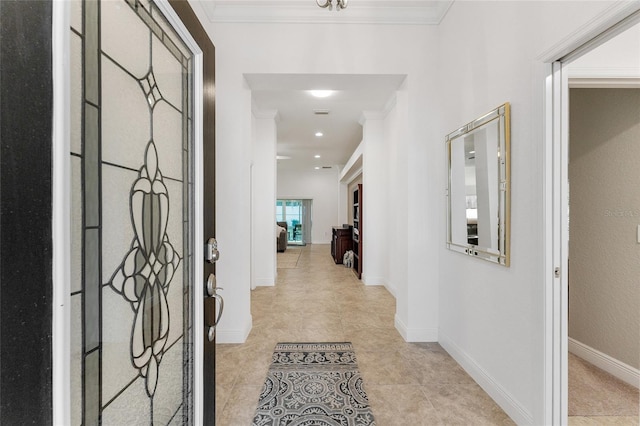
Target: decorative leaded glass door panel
133, 214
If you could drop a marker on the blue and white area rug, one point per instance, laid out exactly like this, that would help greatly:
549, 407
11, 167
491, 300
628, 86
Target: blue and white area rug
313, 384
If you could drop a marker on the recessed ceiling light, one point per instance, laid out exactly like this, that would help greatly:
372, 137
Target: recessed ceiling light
321, 93
319, 134
282, 157
317, 168
316, 156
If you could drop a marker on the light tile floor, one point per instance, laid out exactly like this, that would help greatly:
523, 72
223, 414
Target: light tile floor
407, 383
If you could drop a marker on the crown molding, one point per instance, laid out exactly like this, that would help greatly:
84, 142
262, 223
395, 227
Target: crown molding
604, 72
405, 12
391, 104
604, 77
371, 116
604, 83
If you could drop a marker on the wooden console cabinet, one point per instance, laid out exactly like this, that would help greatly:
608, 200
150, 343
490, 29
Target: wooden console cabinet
340, 242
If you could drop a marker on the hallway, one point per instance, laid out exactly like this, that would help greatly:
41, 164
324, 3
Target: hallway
317, 300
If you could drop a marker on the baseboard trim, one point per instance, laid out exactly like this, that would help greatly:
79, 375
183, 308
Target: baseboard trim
234, 336
264, 282
416, 334
391, 289
619, 369
501, 396
379, 281
367, 280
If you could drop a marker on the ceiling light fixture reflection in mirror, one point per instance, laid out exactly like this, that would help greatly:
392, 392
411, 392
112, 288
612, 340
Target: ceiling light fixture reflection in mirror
321, 93
478, 196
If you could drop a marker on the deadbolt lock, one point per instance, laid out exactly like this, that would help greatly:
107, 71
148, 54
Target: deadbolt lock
211, 253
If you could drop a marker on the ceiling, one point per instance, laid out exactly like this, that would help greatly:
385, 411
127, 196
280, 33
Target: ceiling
298, 123
288, 94
412, 12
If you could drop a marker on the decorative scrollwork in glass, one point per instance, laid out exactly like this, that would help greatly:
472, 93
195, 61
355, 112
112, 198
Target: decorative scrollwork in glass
144, 275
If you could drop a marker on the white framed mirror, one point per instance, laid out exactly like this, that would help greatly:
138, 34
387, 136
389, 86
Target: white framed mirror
478, 193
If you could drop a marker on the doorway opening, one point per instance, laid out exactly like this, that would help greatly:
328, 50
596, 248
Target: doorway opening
612, 23
604, 300
604, 206
297, 215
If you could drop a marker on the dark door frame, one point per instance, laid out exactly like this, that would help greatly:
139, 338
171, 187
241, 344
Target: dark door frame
26, 283
26, 234
193, 25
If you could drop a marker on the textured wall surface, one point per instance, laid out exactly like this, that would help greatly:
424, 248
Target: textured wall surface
604, 255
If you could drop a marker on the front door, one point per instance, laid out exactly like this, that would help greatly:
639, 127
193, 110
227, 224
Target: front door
212, 310
134, 187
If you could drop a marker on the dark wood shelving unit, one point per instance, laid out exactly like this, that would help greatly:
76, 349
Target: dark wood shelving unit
357, 231
340, 242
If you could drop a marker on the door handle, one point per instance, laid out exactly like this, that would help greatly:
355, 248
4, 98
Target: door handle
212, 292
211, 253
212, 286
211, 330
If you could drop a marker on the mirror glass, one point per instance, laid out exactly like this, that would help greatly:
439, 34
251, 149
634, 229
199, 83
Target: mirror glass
478, 192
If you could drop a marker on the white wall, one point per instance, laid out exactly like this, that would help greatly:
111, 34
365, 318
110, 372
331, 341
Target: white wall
321, 186
492, 317
233, 204
395, 130
418, 115
616, 59
483, 54
373, 213
324, 49
263, 198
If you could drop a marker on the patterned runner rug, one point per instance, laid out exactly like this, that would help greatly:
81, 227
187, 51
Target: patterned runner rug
313, 384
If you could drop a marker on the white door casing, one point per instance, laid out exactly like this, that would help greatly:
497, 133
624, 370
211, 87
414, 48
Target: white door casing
615, 19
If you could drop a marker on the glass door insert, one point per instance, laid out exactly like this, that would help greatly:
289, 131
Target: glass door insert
132, 209
294, 213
